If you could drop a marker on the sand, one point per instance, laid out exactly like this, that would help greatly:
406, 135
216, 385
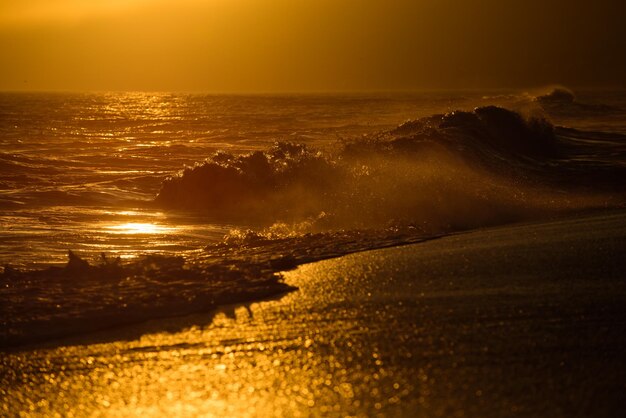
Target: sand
526, 320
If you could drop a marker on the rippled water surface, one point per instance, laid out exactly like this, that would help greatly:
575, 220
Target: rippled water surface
78, 170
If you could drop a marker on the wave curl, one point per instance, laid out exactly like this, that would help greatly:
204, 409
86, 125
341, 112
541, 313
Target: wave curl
444, 172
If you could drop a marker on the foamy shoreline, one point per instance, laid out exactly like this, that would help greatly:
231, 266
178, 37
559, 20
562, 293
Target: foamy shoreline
197, 287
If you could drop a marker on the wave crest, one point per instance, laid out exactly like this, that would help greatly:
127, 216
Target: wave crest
489, 129
256, 184
562, 101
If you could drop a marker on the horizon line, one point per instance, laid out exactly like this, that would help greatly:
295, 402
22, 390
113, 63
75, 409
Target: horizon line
319, 92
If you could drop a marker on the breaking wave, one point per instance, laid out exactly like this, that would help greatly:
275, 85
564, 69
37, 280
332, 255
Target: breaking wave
445, 172
563, 101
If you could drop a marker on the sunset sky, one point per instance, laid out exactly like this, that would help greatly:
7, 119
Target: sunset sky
309, 45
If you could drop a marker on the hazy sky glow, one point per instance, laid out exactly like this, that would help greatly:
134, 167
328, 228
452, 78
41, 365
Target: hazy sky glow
309, 45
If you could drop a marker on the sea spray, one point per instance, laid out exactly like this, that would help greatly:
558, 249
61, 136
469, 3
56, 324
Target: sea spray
445, 172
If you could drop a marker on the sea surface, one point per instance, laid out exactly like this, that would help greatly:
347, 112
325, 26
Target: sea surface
78, 171
141, 186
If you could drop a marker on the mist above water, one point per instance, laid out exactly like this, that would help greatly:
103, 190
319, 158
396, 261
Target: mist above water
446, 172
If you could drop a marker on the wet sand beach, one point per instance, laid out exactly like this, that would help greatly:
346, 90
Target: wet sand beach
525, 320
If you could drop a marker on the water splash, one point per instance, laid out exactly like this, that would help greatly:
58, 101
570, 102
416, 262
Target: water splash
445, 172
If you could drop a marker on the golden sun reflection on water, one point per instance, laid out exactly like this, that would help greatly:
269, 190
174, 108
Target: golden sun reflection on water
139, 228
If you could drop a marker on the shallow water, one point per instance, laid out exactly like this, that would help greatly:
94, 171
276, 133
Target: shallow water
523, 321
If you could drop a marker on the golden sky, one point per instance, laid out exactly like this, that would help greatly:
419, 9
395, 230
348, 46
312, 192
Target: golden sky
309, 45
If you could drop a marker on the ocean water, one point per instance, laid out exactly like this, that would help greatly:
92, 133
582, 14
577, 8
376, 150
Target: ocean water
244, 186
78, 171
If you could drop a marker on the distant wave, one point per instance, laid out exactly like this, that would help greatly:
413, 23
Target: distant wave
487, 129
557, 95
561, 100
445, 172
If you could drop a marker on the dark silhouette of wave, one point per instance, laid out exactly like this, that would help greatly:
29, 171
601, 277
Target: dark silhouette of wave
557, 95
561, 100
488, 129
453, 171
